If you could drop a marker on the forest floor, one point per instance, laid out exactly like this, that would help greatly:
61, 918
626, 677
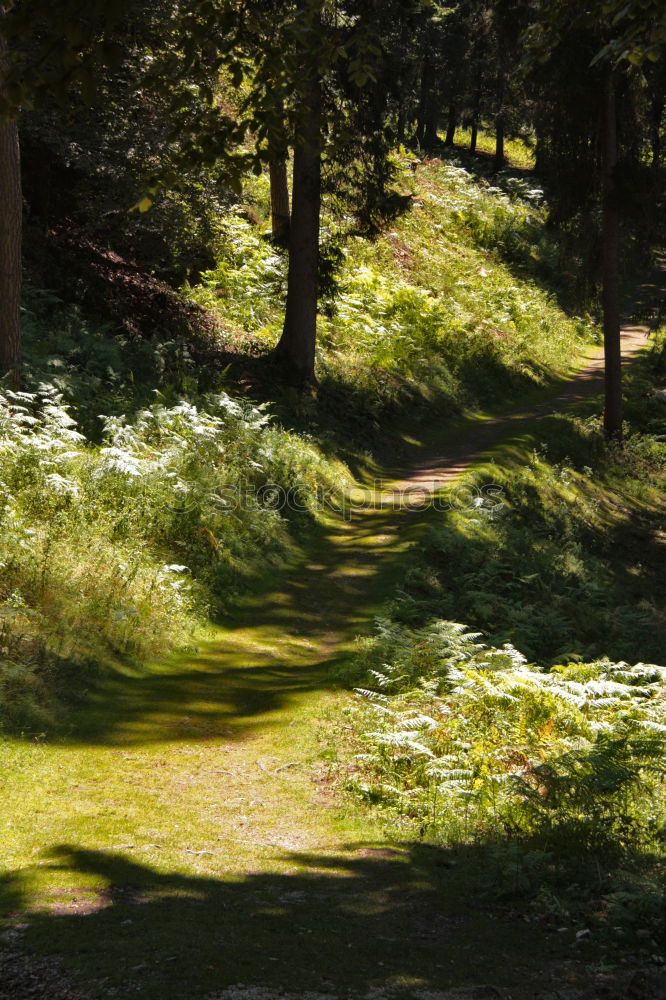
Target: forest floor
184, 840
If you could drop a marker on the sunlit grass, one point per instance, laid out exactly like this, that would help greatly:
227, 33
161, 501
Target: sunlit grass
518, 152
448, 302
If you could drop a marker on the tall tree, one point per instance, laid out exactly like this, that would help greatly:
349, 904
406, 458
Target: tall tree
615, 36
11, 209
297, 344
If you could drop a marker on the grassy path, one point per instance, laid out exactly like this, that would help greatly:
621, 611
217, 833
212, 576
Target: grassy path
183, 836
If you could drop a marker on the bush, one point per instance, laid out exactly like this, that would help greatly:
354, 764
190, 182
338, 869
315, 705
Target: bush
466, 741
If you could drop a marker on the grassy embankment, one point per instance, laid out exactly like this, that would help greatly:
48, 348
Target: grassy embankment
121, 544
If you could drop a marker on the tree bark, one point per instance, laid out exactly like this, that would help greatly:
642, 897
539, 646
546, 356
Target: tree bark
451, 126
297, 343
656, 115
475, 120
431, 135
427, 118
280, 222
11, 207
499, 161
610, 249
401, 126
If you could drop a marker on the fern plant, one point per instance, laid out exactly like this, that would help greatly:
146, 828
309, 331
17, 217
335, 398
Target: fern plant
462, 738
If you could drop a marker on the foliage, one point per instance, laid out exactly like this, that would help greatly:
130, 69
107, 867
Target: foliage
119, 549
465, 739
569, 562
433, 303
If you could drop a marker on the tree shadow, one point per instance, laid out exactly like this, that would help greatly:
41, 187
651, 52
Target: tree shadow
554, 583
408, 918
287, 636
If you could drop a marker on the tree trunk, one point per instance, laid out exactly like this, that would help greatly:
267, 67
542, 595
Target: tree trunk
11, 207
475, 120
427, 114
474, 136
498, 161
610, 248
277, 168
402, 123
299, 334
656, 115
431, 135
451, 126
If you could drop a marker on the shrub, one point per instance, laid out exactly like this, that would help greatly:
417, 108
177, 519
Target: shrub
465, 740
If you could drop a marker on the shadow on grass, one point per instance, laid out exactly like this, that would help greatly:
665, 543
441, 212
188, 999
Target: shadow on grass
292, 634
556, 581
414, 916
284, 639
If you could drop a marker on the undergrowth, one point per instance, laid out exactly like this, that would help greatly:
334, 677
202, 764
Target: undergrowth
432, 309
555, 777
537, 730
568, 565
468, 739
121, 549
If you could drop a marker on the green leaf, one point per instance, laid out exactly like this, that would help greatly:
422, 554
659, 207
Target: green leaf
143, 205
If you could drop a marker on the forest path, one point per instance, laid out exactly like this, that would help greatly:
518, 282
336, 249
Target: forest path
435, 467
183, 841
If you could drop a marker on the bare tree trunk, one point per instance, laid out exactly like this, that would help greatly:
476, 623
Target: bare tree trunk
297, 343
610, 248
277, 168
451, 126
428, 114
402, 123
11, 207
498, 162
475, 120
656, 115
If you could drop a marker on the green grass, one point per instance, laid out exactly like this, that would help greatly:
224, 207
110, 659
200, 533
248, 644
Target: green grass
122, 550
518, 152
178, 828
558, 761
570, 565
187, 820
429, 317
446, 307
188, 817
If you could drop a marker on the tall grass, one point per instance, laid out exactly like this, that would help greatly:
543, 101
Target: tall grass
120, 549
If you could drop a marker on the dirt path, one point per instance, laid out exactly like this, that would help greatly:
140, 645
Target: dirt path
438, 467
183, 841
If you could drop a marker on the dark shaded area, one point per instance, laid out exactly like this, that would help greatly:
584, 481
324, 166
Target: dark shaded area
118, 290
410, 917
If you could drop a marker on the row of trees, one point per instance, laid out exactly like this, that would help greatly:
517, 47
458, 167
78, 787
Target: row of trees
338, 83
